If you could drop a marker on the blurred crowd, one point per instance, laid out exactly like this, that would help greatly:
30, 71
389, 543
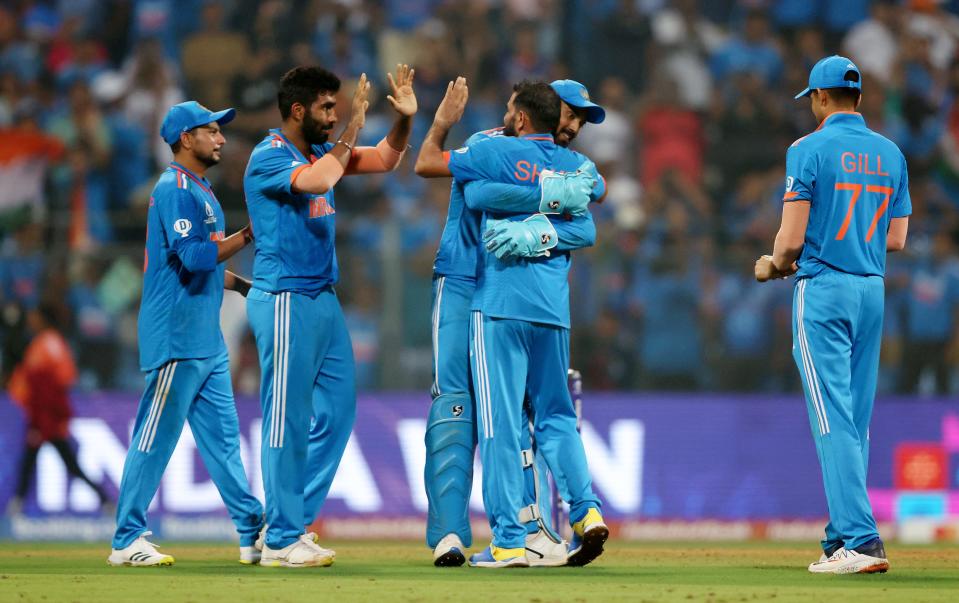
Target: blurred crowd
700, 110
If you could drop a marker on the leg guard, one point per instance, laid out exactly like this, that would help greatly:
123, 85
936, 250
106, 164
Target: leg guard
448, 476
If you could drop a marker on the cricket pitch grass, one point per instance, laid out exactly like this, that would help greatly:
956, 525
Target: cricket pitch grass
402, 571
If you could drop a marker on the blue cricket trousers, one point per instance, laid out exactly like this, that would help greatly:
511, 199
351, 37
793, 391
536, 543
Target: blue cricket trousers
197, 390
837, 332
306, 372
510, 359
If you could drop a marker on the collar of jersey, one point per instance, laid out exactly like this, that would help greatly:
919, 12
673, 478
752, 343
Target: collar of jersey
201, 181
842, 116
538, 137
292, 148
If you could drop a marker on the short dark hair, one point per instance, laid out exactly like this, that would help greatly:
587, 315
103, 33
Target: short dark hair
846, 97
176, 146
302, 85
540, 102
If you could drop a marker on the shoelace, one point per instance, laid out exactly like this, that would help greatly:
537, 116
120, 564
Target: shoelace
144, 537
841, 554
308, 541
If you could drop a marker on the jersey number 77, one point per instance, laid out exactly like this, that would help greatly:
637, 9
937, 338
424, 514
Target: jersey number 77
856, 189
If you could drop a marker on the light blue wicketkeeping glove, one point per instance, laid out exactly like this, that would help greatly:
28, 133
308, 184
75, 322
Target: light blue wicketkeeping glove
567, 192
531, 238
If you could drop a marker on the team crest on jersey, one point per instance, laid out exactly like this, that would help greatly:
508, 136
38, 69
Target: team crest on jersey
789, 183
210, 216
183, 227
457, 410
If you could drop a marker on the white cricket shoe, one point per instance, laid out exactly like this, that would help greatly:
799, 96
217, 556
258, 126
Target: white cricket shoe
261, 540
140, 553
850, 562
302, 553
449, 552
250, 555
542, 550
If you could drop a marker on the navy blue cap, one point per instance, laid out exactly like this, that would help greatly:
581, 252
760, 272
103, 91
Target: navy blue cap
831, 72
576, 95
191, 114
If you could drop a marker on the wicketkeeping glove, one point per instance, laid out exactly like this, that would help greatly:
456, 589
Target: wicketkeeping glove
531, 238
567, 192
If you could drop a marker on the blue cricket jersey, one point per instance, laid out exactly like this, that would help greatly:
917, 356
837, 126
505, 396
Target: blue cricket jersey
294, 232
536, 289
182, 281
855, 181
457, 253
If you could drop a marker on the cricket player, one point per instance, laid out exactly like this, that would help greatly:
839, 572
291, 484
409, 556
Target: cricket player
181, 346
451, 433
306, 357
520, 304
846, 205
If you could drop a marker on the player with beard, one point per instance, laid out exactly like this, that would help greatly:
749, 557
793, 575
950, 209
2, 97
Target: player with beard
306, 357
450, 438
181, 347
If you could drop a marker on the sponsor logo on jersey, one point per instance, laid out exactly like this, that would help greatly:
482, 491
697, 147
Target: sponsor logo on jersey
320, 207
183, 227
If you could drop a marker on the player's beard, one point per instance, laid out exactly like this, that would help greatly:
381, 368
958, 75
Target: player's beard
209, 160
509, 129
313, 132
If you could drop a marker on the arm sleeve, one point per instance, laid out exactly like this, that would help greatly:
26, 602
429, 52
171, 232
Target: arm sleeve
182, 222
599, 191
471, 162
902, 205
273, 169
574, 234
497, 197
800, 176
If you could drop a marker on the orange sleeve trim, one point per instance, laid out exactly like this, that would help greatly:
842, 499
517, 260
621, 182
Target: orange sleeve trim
789, 196
296, 173
446, 157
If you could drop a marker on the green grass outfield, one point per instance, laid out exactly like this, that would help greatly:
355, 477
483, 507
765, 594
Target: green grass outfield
401, 571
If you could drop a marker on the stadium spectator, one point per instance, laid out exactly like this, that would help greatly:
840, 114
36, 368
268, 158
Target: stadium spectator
212, 56
931, 318
755, 51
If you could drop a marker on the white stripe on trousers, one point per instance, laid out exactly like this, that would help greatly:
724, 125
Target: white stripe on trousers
281, 357
164, 379
812, 380
435, 391
482, 375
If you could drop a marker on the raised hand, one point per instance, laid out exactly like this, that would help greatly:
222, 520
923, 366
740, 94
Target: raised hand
402, 98
360, 103
454, 103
